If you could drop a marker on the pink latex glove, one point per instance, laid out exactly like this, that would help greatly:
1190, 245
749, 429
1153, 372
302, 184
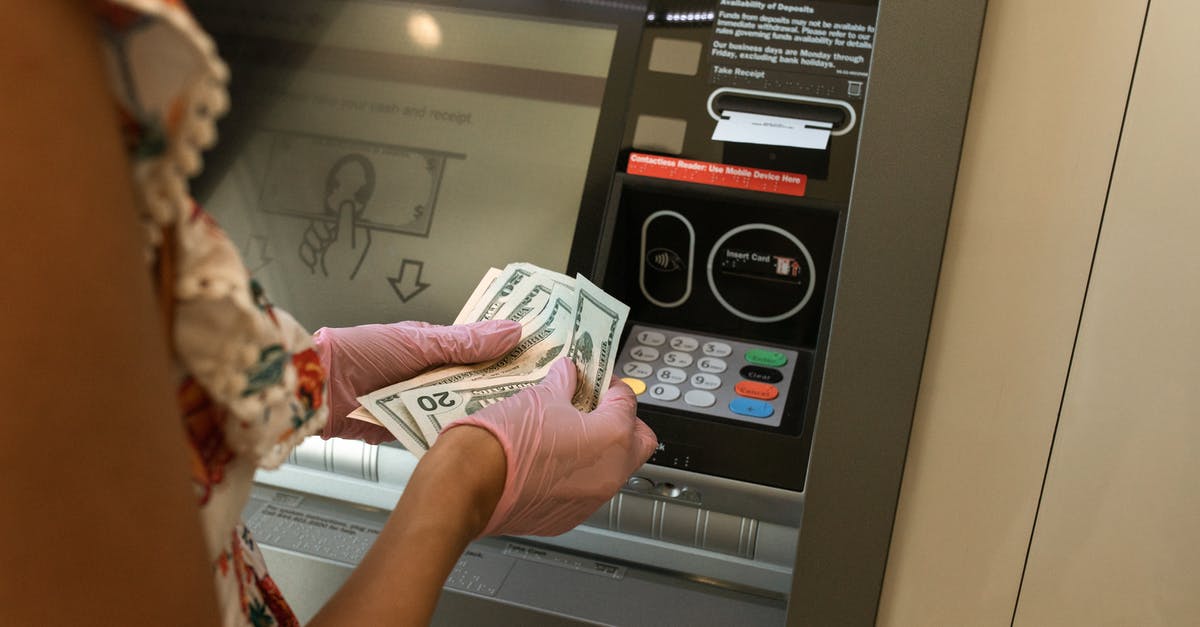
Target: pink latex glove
562, 464
365, 358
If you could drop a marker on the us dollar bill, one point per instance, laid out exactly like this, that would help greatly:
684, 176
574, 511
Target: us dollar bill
560, 316
507, 286
599, 321
533, 294
541, 342
485, 284
494, 298
402, 427
438, 405
490, 295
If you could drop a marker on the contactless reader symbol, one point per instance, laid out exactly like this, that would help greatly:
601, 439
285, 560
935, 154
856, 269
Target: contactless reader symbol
668, 252
664, 260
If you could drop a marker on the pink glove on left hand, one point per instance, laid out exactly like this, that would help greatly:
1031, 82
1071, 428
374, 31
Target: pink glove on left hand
365, 358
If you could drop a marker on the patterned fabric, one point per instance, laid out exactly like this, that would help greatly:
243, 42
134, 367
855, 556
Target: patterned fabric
250, 385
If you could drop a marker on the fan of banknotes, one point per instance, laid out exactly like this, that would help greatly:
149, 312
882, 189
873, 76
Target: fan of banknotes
559, 316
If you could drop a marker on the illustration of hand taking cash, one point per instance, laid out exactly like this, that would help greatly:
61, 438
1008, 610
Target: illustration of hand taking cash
349, 191
341, 244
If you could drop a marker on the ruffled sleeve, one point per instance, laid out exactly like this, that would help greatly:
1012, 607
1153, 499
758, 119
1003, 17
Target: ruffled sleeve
254, 362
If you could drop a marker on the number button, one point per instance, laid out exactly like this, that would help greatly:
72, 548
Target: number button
637, 369
684, 343
716, 349
712, 364
671, 375
644, 353
699, 398
705, 381
678, 359
664, 392
651, 338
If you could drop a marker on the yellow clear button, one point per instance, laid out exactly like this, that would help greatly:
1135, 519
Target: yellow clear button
638, 386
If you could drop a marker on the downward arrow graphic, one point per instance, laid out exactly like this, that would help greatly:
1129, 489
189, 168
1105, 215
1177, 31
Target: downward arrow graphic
408, 282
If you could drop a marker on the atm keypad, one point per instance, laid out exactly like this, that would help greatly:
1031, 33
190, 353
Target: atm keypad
714, 377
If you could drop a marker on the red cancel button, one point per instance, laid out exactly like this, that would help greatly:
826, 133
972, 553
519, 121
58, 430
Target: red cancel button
754, 389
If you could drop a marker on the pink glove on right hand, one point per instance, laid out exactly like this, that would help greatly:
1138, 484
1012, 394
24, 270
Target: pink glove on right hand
562, 464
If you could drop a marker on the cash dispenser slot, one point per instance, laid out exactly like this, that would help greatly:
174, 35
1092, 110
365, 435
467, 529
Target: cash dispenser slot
839, 113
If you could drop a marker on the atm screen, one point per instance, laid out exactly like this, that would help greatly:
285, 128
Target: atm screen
380, 156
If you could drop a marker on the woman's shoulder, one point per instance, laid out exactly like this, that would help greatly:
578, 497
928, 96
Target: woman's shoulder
254, 362
169, 86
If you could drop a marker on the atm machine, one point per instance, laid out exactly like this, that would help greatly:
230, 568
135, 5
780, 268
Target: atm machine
765, 184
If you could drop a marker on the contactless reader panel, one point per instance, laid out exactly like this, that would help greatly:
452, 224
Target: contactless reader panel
727, 294
725, 221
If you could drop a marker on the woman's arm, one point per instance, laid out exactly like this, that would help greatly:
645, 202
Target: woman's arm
446, 504
100, 524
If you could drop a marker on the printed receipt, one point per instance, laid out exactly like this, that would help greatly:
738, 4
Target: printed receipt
754, 128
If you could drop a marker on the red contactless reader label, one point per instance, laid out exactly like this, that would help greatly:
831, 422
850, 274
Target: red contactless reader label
717, 174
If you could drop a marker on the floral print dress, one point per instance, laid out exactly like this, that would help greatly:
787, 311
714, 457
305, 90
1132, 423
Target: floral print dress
250, 385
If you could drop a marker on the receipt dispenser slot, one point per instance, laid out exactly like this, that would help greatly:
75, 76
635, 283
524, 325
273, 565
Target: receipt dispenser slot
840, 115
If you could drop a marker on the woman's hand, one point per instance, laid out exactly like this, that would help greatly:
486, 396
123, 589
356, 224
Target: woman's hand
365, 358
561, 464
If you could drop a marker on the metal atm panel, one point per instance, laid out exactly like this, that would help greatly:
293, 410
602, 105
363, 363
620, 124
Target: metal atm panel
735, 235
807, 292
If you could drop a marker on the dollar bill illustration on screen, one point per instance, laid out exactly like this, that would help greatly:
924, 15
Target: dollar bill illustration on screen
340, 184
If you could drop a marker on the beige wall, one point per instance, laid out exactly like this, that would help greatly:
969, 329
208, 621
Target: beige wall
1045, 116
1117, 540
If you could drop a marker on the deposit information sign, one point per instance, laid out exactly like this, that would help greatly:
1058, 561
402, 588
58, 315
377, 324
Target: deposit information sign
818, 49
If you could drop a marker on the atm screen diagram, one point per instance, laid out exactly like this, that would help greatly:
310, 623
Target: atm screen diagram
337, 184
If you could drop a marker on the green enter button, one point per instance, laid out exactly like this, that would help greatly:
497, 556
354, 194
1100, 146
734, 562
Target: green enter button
763, 357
